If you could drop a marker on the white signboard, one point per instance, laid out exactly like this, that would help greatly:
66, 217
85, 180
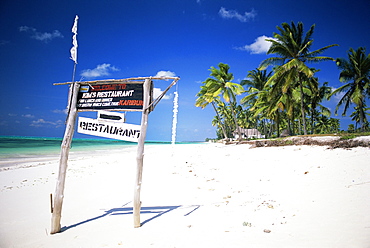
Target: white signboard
108, 129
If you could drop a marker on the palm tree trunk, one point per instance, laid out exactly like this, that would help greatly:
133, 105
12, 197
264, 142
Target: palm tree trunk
236, 122
312, 121
219, 119
302, 106
271, 128
292, 131
277, 124
361, 107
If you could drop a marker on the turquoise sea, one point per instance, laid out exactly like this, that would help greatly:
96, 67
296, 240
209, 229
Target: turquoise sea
14, 145
14, 149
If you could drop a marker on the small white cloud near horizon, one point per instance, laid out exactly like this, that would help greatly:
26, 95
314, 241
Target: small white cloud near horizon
259, 46
60, 111
165, 74
99, 71
229, 14
42, 122
45, 37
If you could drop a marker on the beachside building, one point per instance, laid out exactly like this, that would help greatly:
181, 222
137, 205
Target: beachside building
248, 134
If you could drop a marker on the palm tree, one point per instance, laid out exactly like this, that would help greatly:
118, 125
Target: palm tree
327, 125
293, 49
220, 83
227, 115
316, 98
256, 80
359, 115
355, 71
204, 99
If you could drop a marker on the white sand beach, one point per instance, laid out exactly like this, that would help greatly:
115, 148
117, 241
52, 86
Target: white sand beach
195, 195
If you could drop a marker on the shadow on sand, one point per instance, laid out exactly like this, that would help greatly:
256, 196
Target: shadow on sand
159, 211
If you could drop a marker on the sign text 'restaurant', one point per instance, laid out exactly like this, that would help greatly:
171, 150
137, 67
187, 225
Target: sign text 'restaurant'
108, 129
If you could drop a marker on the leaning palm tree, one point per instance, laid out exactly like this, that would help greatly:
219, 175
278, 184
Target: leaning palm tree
204, 99
293, 50
220, 84
356, 73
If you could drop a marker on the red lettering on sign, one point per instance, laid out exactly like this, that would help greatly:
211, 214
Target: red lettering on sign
130, 102
109, 87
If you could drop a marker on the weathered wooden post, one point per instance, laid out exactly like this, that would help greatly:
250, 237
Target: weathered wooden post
65, 147
140, 152
146, 108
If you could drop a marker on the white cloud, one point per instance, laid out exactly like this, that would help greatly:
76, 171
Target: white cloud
165, 74
259, 46
26, 29
229, 14
46, 37
99, 71
157, 92
4, 42
42, 122
28, 116
60, 111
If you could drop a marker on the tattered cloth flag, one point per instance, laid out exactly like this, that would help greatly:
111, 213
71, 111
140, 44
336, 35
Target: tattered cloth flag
74, 41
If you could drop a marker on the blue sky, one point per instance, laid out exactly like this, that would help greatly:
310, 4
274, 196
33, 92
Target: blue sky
122, 39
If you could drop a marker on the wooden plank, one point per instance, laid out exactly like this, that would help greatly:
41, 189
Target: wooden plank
118, 81
140, 153
63, 162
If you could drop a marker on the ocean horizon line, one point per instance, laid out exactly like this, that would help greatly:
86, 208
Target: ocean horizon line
95, 139
18, 149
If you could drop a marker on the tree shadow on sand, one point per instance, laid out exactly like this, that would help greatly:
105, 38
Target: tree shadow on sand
159, 211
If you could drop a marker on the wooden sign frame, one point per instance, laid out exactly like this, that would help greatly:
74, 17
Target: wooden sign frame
148, 106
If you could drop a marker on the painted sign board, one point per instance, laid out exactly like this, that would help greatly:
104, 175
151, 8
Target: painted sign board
108, 129
110, 96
